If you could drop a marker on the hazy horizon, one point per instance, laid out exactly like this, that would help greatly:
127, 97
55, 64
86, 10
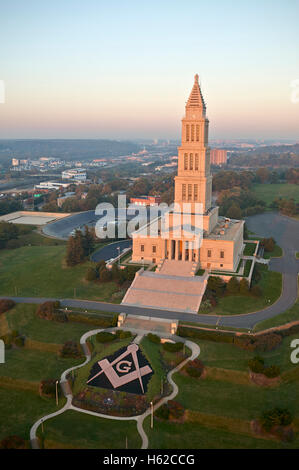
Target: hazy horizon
124, 72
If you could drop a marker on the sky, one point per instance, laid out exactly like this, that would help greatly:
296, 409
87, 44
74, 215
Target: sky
124, 69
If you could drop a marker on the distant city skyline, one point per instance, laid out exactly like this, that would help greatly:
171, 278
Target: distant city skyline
124, 70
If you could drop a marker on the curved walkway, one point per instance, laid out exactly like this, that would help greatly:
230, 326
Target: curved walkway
139, 418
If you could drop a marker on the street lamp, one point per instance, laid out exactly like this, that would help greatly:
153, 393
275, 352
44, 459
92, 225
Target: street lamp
118, 249
152, 415
56, 393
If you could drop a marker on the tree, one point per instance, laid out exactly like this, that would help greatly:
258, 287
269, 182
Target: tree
244, 286
88, 241
233, 286
234, 212
91, 274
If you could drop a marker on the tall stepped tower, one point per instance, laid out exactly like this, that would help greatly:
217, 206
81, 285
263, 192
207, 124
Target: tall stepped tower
193, 184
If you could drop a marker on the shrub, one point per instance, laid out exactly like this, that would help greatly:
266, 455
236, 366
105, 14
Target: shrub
19, 341
176, 410
233, 286
275, 417
48, 388
173, 347
217, 336
244, 286
263, 343
162, 412
70, 349
121, 334
105, 337
13, 442
153, 338
91, 274
6, 304
105, 275
216, 285
256, 291
257, 365
272, 371
268, 244
194, 368
206, 305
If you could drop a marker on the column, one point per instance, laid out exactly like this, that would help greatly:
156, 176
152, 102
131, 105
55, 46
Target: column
177, 248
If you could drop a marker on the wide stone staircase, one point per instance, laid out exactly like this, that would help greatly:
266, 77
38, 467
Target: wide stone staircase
165, 291
140, 322
177, 268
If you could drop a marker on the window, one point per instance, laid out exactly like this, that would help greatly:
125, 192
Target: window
187, 132
142, 248
221, 254
185, 161
197, 133
154, 249
192, 132
195, 189
189, 192
191, 161
209, 253
154, 260
196, 161
184, 192
221, 265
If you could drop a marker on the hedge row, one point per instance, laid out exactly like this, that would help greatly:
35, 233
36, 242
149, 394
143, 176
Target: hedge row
94, 320
265, 342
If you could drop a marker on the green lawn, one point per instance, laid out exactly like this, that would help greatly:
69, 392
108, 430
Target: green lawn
234, 400
270, 192
77, 430
23, 319
20, 409
249, 249
270, 284
34, 365
167, 435
38, 271
276, 253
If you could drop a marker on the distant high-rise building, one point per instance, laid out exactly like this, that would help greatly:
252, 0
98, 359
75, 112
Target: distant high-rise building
218, 157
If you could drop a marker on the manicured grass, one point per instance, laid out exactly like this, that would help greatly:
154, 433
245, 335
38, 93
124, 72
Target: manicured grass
270, 284
200, 272
167, 435
76, 430
36, 239
39, 272
23, 319
34, 365
249, 249
20, 409
238, 401
247, 267
270, 192
276, 253
153, 355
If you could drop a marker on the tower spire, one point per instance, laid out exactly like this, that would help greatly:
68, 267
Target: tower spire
195, 99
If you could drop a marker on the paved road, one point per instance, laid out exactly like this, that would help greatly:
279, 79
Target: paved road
110, 251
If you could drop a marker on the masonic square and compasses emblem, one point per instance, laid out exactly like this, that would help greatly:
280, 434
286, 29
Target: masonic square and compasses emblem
126, 370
